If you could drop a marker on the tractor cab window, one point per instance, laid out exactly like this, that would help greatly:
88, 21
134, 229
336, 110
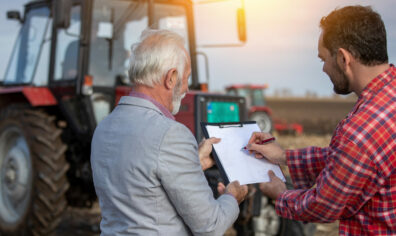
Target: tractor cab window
67, 48
244, 92
116, 26
258, 97
29, 47
172, 17
232, 92
41, 74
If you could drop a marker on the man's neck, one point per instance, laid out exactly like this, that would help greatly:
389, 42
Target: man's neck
156, 93
365, 74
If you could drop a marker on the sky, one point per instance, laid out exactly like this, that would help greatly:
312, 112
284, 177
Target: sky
281, 47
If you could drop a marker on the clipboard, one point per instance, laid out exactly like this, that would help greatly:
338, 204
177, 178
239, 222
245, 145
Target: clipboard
233, 162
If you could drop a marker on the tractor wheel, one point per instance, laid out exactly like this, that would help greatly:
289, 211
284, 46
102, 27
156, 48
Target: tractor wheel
268, 223
32, 173
263, 120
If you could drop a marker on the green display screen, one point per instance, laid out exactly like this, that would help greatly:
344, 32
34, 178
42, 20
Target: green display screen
218, 112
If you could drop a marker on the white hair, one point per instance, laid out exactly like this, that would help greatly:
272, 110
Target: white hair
157, 52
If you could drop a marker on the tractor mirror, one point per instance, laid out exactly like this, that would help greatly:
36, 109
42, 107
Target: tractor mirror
241, 24
62, 13
14, 15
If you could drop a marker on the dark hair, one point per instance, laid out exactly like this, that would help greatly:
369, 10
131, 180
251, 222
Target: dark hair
358, 29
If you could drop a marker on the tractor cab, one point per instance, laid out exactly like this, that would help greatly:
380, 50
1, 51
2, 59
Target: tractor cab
255, 103
254, 94
81, 48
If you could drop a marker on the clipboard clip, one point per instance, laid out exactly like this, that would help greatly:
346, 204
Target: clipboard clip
230, 125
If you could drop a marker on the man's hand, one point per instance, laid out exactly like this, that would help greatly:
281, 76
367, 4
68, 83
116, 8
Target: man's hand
204, 150
273, 188
271, 151
236, 190
221, 188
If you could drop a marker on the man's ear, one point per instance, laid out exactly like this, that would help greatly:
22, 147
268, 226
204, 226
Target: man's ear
344, 58
170, 80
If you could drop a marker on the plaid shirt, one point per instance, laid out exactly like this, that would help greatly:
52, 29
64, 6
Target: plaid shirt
355, 176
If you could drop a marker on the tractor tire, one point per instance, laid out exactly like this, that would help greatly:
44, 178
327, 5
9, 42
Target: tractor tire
268, 223
263, 120
33, 170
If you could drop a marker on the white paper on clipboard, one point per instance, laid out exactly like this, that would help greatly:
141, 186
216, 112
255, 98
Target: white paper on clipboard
239, 164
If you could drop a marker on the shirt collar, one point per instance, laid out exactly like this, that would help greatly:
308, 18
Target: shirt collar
164, 111
378, 82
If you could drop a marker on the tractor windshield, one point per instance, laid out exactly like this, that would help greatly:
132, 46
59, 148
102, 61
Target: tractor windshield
33, 41
116, 26
258, 97
253, 96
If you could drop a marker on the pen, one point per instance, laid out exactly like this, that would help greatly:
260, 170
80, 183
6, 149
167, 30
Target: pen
263, 142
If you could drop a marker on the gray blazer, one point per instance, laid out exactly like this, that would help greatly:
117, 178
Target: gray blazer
148, 177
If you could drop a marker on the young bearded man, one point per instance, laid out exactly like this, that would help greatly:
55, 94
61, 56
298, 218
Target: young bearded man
353, 180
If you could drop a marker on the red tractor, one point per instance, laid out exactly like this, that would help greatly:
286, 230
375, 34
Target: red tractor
259, 111
255, 101
66, 73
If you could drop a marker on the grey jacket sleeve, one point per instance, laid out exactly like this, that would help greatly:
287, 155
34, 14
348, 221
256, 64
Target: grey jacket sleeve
181, 176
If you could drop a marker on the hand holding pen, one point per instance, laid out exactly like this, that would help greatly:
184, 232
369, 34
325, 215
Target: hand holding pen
264, 145
268, 140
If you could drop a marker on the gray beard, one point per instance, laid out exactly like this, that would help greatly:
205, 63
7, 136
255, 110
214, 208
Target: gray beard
176, 102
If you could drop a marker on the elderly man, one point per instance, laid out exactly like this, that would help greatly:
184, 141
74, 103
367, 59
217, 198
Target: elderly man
353, 179
147, 168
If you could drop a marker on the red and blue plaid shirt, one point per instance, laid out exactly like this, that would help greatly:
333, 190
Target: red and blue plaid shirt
355, 176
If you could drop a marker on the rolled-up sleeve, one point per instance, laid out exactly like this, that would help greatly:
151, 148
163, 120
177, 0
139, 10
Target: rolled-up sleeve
181, 176
305, 165
345, 184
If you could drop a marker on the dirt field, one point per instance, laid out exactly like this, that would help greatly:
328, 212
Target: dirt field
85, 222
318, 116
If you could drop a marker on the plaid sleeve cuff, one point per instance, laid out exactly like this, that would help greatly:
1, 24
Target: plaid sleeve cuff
302, 205
305, 165
297, 169
281, 205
